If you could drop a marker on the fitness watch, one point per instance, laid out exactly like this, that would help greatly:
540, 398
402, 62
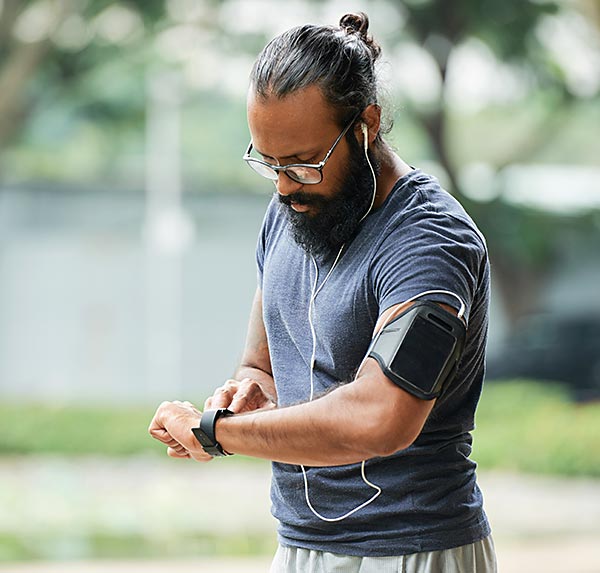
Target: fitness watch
205, 432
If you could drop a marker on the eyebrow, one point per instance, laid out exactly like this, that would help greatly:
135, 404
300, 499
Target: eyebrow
293, 156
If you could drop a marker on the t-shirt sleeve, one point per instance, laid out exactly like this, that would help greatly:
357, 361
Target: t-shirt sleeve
428, 251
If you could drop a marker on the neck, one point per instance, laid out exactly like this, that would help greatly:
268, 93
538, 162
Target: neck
392, 168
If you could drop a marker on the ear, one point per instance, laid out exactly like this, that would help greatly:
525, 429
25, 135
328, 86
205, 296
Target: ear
371, 116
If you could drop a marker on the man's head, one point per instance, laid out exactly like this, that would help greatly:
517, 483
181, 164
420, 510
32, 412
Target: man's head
307, 86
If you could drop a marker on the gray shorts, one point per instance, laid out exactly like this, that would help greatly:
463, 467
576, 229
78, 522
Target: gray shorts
477, 557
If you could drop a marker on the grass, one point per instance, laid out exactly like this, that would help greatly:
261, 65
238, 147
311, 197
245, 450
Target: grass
75, 430
101, 545
521, 426
535, 428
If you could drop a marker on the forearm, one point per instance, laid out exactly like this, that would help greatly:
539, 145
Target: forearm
264, 379
308, 434
370, 417
256, 360
346, 426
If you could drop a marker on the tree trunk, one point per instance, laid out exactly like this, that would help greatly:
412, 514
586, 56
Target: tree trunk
20, 64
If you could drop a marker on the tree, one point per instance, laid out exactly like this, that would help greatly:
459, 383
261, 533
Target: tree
523, 243
59, 41
48, 48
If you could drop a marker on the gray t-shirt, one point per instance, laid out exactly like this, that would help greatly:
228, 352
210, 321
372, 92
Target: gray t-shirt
420, 239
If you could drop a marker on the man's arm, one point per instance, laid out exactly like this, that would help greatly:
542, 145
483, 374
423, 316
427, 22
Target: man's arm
252, 386
370, 417
367, 418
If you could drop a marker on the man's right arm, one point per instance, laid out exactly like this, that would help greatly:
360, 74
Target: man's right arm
252, 387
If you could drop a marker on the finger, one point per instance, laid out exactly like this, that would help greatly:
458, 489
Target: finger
200, 456
157, 424
240, 403
161, 435
173, 453
175, 445
249, 396
222, 398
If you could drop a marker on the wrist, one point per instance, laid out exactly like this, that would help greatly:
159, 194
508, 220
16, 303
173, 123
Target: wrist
205, 432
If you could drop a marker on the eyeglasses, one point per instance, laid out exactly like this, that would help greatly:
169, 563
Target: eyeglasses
305, 173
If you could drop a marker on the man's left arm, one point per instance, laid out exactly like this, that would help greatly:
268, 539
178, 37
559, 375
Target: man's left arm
369, 417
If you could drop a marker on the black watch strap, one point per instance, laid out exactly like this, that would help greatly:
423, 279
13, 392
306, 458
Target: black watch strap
205, 432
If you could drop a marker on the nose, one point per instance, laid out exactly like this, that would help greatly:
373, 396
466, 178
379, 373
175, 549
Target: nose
285, 185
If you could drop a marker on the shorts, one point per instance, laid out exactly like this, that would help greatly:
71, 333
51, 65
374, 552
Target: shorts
478, 557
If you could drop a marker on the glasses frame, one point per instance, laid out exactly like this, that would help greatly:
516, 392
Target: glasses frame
284, 168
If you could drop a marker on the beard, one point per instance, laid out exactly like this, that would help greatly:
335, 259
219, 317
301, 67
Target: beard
337, 218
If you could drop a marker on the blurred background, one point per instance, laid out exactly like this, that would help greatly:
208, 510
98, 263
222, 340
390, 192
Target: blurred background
127, 231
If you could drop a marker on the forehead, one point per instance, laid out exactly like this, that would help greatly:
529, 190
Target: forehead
292, 124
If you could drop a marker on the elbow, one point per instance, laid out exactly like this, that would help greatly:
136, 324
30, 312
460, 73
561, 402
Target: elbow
390, 445
385, 439
381, 419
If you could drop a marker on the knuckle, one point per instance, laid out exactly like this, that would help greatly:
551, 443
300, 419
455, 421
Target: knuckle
254, 386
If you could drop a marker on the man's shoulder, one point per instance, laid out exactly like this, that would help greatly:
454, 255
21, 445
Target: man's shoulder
421, 205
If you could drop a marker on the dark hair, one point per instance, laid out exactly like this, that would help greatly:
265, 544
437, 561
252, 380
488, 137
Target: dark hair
339, 59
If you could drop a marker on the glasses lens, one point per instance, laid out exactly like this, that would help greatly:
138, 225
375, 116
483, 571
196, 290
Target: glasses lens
262, 169
305, 175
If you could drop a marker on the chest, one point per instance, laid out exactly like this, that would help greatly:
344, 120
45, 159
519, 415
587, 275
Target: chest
343, 314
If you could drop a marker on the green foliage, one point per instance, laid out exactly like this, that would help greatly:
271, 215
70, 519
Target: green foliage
103, 545
510, 29
533, 427
70, 430
521, 426
492, 19
439, 26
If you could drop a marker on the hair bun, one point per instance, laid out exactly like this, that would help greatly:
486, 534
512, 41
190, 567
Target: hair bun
358, 23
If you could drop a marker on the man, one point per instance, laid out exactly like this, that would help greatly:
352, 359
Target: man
369, 449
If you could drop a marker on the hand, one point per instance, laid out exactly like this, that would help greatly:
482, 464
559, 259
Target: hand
172, 425
238, 396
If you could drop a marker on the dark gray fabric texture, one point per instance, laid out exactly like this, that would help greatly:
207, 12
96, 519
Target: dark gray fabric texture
420, 239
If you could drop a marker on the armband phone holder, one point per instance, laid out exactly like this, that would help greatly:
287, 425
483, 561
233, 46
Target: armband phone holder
419, 350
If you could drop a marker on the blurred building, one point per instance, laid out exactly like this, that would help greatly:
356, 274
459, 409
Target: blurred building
75, 320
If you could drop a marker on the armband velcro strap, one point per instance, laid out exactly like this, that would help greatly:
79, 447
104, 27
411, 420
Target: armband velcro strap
420, 349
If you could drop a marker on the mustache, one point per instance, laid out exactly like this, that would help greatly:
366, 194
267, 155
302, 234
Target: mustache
301, 198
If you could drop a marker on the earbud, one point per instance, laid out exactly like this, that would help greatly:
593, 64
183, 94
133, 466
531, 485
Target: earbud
365, 132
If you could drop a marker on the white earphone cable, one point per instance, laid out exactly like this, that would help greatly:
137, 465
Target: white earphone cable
315, 291
366, 149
